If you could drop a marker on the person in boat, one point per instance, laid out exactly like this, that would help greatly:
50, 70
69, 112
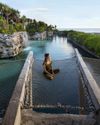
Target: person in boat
47, 66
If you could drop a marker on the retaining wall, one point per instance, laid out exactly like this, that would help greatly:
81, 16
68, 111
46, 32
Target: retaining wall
91, 85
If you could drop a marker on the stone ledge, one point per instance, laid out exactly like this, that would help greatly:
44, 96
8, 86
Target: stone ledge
90, 81
30, 117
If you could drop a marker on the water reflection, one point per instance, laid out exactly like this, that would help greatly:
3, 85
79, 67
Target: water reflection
58, 48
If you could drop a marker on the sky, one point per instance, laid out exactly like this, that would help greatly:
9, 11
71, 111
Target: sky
63, 13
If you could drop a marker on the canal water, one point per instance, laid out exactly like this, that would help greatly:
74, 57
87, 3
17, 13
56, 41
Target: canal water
9, 72
64, 89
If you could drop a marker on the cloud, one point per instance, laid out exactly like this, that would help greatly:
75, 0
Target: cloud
41, 9
39, 13
34, 10
80, 23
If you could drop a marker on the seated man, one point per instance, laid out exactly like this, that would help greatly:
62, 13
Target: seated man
47, 65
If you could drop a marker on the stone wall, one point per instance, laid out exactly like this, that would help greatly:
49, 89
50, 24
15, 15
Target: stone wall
30, 117
50, 34
91, 85
41, 36
12, 45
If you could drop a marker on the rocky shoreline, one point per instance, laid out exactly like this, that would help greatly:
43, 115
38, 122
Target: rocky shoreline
12, 45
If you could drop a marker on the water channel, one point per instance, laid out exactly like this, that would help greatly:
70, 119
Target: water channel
64, 89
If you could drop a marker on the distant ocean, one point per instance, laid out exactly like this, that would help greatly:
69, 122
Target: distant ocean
86, 30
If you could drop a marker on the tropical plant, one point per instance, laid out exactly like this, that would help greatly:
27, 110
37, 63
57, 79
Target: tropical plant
90, 41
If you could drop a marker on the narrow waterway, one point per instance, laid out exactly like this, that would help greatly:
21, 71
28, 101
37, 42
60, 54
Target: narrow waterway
64, 89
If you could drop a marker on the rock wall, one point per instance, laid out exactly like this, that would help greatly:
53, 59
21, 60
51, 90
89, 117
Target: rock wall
50, 34
41, 36
12, 45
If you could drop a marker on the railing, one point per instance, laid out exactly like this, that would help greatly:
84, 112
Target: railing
90, 83
13, 113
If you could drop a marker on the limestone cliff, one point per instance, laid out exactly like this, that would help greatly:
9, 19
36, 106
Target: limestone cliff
12, 45
41, 36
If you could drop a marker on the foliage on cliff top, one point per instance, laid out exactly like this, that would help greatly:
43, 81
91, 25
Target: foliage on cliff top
40, 26
11, 21
90, 41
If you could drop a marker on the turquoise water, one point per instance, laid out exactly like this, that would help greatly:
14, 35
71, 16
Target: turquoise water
58, 48
63, 89
9, 72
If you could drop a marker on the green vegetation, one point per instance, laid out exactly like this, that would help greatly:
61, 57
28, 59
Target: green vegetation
40, 26
11, 21
63, 33
90, 41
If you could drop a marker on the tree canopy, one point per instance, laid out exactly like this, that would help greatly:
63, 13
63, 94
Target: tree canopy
40, 26
11, 21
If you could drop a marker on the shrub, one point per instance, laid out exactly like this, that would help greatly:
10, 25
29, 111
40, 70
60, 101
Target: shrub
90, 41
